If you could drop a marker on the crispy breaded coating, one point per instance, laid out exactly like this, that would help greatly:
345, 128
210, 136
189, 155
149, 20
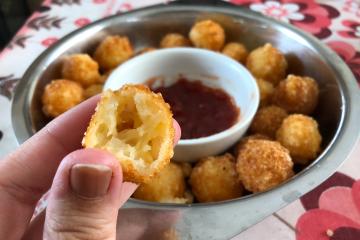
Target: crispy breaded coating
266, 90
81, 68
236, 51
207, 34
174, 40
297, 94
136, 126
267, 120
263, 164
268, 63
168, 186
215, 179
186, 168
247, 138
113, 51
60, 95
300, 134
93, 90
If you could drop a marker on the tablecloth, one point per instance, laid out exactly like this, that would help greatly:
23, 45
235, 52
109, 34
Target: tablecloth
332, 210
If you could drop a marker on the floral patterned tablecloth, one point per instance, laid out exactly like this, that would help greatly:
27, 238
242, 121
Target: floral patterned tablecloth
332, 210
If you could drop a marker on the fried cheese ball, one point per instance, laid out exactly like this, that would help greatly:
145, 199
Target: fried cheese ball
81, 68
186, 168
263, 164
247, 138
60, 95
267, 120
136, 126
93, 90
268, 63
207, 34
236, 51
174, 40
215, 179
300, 134
266, 90
113, 51
297, 94
168, 186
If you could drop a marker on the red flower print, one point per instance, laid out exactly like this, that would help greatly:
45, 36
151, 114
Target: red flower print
354, 29
352, 6
99, 1
124, 7
305, 14
337, 216
49, 41
80, 22
349, 55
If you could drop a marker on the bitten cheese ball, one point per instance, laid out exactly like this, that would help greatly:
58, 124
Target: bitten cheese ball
93, 90
236, 51
300, 134
266, 90
168, 186
113, 51
268, 63
215, 179
207, 34
263, 164
267, 120
297, 94
61, 95
136, 126
174, 40
81, 68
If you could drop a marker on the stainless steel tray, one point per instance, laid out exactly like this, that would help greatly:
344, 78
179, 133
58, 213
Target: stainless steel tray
336, 112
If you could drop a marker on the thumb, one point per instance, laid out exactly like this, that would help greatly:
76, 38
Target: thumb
85, 197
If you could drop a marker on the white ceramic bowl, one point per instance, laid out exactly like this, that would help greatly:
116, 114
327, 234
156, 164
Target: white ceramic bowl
164, 67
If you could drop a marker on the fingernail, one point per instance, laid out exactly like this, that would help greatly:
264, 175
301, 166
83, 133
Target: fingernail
90, 180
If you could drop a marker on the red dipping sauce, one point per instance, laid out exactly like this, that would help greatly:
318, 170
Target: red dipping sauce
201, 111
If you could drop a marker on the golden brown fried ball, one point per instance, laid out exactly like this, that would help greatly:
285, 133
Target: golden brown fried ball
215, 179
300, 134
237, 51
93, 90
267, 120
266, 90
268, 63
61, 95
247, 138
263, 164
186, 168
174, 40
113, 51
207, 34
167, 186
297, 94
81, 68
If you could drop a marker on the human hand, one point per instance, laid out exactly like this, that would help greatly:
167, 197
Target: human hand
87, 188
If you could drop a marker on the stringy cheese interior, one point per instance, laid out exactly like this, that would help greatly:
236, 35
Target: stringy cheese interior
134, 127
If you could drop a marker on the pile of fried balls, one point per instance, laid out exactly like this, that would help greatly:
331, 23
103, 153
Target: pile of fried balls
282, 134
